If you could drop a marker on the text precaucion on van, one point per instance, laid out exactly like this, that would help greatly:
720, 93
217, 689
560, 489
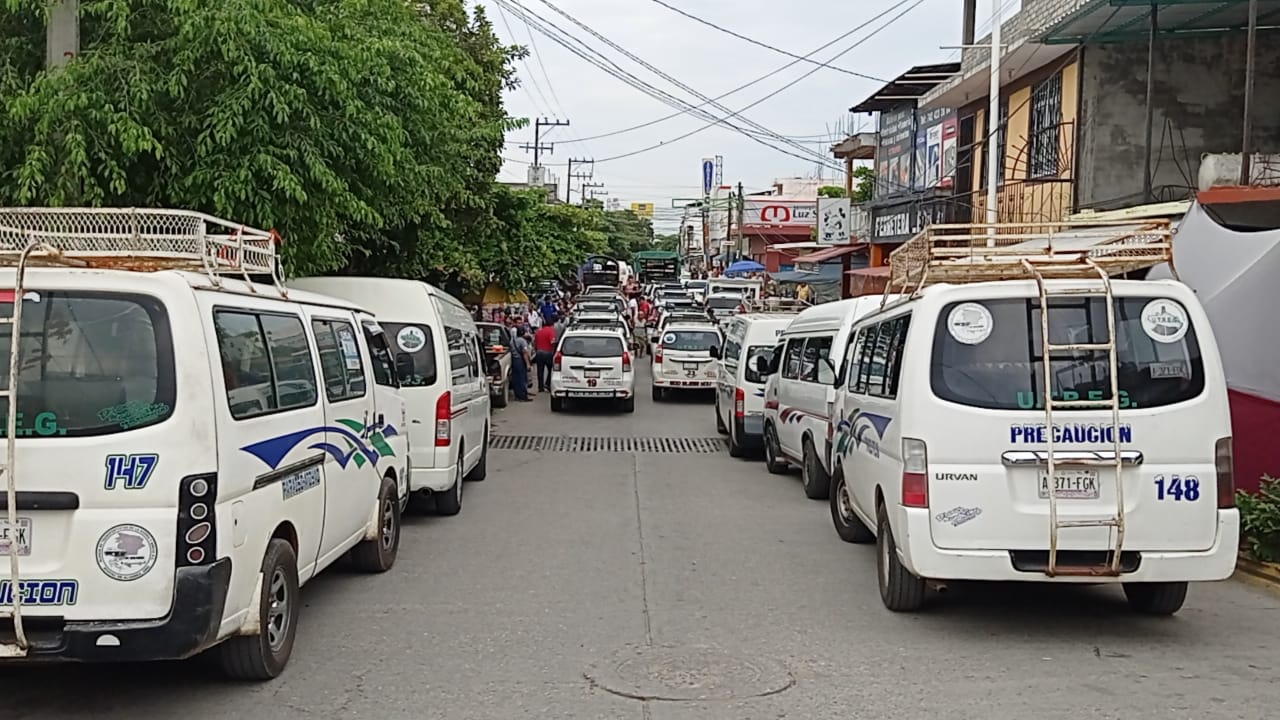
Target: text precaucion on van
1077, 433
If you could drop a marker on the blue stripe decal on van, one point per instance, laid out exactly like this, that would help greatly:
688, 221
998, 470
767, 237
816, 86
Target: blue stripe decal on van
273, 451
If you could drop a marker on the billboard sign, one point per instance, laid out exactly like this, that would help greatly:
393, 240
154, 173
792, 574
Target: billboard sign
708, 175
833, 221
644, 210
779, 212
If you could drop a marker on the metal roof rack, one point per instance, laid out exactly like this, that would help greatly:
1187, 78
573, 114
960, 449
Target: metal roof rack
140, 240
969, 253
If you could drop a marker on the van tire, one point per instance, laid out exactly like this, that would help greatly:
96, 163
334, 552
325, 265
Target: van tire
252, 657
900, 589
656, 392
449, 502
720, 426
501, 400
848, 525
379, 554
629, 405
1157, 598
481, 470
772, 453
817, 484
557, 404
735, 450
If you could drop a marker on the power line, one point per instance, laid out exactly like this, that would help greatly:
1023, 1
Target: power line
767, 46
546, 106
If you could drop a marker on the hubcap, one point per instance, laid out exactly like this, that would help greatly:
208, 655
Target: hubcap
844, 503
278, 601
884, 555
388, 524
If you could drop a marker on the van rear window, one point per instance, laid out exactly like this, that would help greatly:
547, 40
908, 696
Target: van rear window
415, 353
89, 364
592, 346
993, 359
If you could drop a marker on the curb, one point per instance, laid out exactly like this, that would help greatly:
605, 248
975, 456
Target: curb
1259, 574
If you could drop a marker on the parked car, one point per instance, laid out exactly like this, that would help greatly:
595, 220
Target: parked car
496, 340
593, 364
682, 358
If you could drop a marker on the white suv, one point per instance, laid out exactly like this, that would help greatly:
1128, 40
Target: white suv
593, 363
682, 358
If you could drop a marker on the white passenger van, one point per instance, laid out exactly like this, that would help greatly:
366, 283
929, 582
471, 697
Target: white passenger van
948, 455
750, 288
798, 393
439, 357
185, 449
593, 364
682, 358
749, 346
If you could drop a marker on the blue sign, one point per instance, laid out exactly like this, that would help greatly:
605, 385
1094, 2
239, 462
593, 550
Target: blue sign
708, 175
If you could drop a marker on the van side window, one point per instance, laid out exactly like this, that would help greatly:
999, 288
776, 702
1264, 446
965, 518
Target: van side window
817, 349
853, 366
266, 363
901, 325
868, 349
460, 361
340, 361
791, 359
732, 351
876, 378
384, 368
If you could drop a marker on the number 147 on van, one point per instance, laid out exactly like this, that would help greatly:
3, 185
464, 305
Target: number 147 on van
132, 472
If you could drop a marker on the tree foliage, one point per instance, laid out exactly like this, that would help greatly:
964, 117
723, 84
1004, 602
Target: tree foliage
367, 132
627, 234
864, 183
830, 191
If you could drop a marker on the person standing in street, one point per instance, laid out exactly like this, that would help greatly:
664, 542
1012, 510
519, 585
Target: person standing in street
520, 367
544, 346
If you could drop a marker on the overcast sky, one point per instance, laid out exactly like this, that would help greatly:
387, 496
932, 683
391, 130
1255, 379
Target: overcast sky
804, 102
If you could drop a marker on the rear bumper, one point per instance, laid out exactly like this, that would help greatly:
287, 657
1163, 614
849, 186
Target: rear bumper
433, 479
592, 393
199, 597
927, 561
751, 428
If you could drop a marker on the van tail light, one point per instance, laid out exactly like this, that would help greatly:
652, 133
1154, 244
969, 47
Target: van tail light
1223, 462
915, 473
739, 403
444, 419
197, 539
555, 363
626, 361
657, 354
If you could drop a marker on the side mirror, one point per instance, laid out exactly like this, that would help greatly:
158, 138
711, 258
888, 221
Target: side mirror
715, 351
762, 365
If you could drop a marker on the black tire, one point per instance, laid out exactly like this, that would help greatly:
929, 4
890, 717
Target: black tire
264, 656
481, 470
735, 450
449, 502
1158, 598
848, 525
379, 554
817, 484
629, 405
557, 404
419, 503
501, 400
773, 461
656, 393
720, 426
900, 589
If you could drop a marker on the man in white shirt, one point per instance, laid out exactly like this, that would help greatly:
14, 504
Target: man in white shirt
633, 309
534, 317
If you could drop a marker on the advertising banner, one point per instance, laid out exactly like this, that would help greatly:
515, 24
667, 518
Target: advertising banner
779, 212
833, 221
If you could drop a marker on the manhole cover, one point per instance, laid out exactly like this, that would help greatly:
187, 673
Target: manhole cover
696, 672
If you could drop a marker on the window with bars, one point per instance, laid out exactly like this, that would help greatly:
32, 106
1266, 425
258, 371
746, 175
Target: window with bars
1046, 122
1001, 147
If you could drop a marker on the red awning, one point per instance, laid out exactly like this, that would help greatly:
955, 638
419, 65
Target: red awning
830, 253
882, 271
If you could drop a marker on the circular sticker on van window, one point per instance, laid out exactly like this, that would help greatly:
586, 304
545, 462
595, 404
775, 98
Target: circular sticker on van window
411, 339
1164, 321
969, 323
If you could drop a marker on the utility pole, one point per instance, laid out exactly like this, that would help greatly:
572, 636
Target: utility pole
742, 202
62, 34
993, 124
568, 190
536, 176
729, 239
1246, 146
589, 187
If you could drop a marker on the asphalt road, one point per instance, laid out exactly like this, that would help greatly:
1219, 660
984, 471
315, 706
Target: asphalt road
574, 583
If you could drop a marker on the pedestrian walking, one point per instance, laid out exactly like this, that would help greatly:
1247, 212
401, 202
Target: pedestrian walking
544, 346
520, 367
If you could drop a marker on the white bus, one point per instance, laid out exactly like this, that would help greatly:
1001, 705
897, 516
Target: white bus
184, 449
975, 438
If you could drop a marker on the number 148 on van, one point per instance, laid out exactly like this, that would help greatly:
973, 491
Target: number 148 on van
1177, 488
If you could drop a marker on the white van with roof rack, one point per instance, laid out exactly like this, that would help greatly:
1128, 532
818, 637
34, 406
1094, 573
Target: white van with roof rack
799, 390
183, 449
440, 362
682, 358
748, 351
977, 438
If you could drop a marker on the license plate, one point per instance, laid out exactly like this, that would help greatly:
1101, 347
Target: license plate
692, 366
21, 535
590, 393
1071, 484
592, 373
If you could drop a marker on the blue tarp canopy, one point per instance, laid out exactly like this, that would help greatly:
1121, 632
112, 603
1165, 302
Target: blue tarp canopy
744, 266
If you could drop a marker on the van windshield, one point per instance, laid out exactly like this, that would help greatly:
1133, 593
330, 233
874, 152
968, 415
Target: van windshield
691, 340
988, 354
415, 351
592, 346
90, 363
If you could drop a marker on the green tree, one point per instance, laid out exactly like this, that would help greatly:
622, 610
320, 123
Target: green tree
365, 131
627, 234
534, 240
668, 242
830, 191
864, 183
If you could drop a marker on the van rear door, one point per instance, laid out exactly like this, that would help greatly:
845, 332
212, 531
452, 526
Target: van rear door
988, 480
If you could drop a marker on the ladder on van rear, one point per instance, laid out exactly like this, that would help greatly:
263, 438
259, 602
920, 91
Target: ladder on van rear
132, 239
1087, 253
1047, 350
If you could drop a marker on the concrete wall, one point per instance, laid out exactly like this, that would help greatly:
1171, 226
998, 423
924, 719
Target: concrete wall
1199, 89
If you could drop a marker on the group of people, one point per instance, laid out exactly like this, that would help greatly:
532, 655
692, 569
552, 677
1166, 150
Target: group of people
535, 332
